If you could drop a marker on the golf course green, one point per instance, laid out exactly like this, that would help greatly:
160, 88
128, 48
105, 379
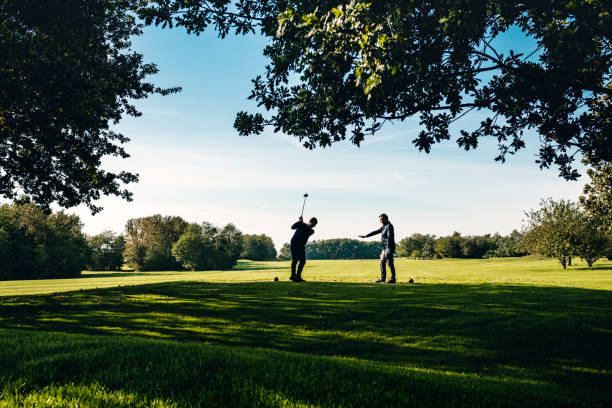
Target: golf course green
507, 332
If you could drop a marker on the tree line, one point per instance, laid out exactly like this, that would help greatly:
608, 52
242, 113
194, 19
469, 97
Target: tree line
169, 242
418, 246
558, 229
339, 248
564, 229
36, 243
426, 246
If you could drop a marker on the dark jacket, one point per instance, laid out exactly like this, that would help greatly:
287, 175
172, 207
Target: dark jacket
387, 239
302, 233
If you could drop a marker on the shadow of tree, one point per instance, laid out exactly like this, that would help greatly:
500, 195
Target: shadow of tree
553, 335
110, 274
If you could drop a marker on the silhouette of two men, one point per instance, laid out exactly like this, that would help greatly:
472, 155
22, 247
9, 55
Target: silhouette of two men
303, 231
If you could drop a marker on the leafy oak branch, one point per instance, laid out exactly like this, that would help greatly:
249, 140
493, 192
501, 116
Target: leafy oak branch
341, 70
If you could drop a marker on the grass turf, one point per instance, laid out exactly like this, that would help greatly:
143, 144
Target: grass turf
522, 271
513, 332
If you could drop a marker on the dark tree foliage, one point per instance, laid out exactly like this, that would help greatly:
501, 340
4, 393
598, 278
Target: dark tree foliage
426, 246
341, 70
451, 246
551, 230
22, 255
562, 230
597, 197
106, 251
195, 249
474, 246
429, 250
258, 248
149, 242
205, 246
285, 252
170, 243
597, 201
35, 244
477, 246
342, 248
508, 245
414, 246
66, 74
228, 244
588, 241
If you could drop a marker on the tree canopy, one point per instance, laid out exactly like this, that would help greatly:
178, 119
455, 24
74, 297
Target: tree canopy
342, 248
106, 251
161, 242
551, 229
258, 248
149, 241
561, 230
67, 73
341, 70
34, 244
597, 198
208, 247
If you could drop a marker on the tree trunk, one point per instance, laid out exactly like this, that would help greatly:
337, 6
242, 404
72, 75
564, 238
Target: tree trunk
569, 261
563, 262
589, 262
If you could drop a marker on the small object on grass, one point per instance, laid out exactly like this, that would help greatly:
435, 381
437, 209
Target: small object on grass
276, 279
411, 280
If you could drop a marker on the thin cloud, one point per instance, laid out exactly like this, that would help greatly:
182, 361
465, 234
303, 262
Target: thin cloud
374, 139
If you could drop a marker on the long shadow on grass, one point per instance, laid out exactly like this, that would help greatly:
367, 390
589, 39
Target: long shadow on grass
523, 333
111, 274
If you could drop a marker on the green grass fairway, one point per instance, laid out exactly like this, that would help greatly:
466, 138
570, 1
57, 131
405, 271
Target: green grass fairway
521, 271
469, 333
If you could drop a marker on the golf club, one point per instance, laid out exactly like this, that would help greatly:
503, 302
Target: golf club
305, 196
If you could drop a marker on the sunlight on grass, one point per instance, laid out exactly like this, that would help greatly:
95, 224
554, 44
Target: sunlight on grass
223, 338
76, 395
587, 370
515, 271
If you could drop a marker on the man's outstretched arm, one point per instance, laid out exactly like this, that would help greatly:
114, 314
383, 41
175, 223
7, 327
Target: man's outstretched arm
378, 231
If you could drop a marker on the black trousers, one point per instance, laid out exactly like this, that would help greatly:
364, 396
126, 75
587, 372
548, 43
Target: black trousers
298, 257
384, 259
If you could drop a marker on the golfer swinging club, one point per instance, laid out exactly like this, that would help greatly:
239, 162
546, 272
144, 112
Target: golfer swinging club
387, 240
298, 244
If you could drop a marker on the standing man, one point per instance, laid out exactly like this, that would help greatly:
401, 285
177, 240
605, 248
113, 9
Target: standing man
387, 240
298, 246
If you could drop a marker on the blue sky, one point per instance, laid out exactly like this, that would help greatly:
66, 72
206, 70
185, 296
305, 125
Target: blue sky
192, 163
